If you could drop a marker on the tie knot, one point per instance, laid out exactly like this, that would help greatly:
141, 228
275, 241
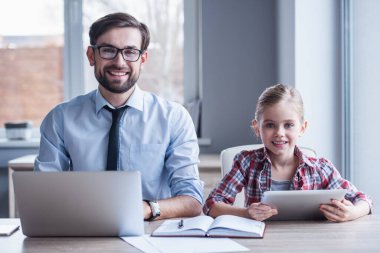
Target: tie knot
117, 112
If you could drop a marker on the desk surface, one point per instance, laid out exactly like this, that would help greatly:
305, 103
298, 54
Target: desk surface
361, 235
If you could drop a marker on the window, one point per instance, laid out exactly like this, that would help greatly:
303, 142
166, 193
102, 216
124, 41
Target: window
33, 66
31, 53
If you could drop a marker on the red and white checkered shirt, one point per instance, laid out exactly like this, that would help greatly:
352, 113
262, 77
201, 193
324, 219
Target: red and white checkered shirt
251, 170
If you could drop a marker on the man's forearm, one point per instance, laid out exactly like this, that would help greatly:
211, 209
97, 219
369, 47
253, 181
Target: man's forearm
180, 206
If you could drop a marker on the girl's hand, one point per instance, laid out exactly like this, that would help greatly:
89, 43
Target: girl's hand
339, 211
260, 212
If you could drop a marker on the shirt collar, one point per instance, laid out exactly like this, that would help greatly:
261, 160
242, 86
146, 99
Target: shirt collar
136, 100
264, 155
100, 101
303, 159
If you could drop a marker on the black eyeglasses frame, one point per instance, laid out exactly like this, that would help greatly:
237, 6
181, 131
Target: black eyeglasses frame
118, 51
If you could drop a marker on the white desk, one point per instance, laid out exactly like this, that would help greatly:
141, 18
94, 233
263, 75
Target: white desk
26, 163
361, 235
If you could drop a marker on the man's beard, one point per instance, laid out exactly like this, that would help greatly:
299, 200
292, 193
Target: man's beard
103, 81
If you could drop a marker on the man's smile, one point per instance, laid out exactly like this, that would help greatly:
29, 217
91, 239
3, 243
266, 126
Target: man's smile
117, 73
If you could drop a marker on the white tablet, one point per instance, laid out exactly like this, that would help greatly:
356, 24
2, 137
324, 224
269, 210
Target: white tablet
301, 204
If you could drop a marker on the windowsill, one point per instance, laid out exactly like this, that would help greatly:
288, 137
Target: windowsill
204, 141
30, 143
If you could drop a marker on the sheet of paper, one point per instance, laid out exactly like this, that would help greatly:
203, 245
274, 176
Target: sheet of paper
141, 243
6, 230
194, 244
149, 244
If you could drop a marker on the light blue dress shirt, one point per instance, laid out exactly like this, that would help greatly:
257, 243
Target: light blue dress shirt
157, 138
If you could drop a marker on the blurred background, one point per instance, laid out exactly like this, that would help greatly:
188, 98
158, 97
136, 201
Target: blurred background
215, 57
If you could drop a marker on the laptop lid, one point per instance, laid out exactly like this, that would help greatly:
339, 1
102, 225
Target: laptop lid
79, 203
302, 204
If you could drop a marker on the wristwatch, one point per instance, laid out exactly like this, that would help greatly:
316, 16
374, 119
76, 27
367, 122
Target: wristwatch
155, 207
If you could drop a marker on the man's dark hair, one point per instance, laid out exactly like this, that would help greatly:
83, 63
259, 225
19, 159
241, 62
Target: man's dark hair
120, 20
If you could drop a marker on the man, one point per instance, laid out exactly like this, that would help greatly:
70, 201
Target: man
156, 137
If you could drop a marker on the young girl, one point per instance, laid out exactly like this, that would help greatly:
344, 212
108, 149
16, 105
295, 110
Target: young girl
280, 165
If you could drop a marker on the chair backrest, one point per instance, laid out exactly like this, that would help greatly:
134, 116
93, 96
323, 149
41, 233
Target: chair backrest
227, 156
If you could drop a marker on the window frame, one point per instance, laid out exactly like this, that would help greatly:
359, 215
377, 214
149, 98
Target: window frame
74, 53
73, 49
347, 83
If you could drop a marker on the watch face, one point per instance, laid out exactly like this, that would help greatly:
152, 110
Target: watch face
155, 208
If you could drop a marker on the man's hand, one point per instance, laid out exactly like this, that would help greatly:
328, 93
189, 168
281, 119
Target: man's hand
147, 210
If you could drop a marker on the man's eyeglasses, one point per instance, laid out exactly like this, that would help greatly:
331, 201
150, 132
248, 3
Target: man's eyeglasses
110, 52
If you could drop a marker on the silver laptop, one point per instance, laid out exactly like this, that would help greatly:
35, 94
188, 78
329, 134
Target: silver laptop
107, 203
302, 204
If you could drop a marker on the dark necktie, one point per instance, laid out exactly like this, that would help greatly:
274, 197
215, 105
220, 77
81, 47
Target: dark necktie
114, 138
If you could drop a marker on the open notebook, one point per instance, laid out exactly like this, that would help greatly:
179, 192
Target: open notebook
222, 226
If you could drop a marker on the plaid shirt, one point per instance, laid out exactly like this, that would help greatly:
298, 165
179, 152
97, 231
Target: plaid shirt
251, 170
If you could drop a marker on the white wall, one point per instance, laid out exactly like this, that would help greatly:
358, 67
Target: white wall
309, 59
317, 74
366, 87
